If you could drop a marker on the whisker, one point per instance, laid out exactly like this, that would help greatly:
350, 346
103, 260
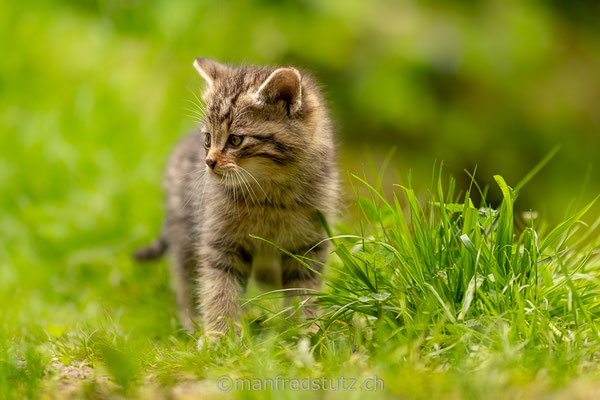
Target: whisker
196, 113
250, 189
200, 103
241, 179
198, 120
199, 106
259, 185
233, 186
236, 178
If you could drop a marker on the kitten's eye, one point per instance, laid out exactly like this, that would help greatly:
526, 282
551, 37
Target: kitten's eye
235, 140
207, 139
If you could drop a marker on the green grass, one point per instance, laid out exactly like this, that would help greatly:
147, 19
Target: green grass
434, 296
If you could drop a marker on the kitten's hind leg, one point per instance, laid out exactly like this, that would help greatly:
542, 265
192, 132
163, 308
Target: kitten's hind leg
184, 276
303, 282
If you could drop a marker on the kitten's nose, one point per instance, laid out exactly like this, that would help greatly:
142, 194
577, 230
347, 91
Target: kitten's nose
211, 163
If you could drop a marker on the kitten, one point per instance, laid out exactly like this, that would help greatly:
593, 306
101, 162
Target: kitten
261, 162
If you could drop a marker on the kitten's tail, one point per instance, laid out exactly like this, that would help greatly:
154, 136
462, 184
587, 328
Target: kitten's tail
153, 251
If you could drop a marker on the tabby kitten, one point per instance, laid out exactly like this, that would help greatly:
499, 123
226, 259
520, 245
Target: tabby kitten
260, 163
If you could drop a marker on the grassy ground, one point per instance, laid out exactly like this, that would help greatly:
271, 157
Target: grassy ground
432, 295
423, 298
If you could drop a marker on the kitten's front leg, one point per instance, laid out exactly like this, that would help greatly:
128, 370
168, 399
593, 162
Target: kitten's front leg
223, 278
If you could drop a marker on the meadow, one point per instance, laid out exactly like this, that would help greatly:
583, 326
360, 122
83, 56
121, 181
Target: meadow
445, 299
478, 279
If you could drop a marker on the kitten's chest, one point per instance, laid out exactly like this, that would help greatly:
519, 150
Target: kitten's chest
287, 227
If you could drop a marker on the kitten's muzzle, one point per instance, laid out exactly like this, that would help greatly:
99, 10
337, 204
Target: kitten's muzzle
211, 162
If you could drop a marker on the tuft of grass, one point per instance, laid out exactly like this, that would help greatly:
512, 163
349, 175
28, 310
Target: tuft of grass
455, 287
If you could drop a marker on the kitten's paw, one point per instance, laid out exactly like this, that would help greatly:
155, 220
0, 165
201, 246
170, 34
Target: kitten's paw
313, 328
189, 324
209, 339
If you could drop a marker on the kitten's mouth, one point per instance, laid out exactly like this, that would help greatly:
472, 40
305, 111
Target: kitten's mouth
226, 178
236, 177
220, 174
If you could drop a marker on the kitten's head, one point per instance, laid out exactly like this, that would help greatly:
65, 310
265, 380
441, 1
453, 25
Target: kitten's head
259, 121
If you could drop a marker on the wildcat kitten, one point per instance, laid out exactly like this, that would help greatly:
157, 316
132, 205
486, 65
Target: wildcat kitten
261, 162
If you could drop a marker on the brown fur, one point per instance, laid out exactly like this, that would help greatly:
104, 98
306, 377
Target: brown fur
270, 186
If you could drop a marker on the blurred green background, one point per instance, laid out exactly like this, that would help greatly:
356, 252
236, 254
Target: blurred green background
97, 88
93, 97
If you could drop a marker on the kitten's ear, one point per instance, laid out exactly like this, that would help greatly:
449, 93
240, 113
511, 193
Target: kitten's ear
284, 84
209, 69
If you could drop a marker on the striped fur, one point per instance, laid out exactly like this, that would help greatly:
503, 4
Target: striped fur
270, 186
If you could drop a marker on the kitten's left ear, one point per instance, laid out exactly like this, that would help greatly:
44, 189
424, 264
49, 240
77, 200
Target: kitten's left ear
209, 69
284, 84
